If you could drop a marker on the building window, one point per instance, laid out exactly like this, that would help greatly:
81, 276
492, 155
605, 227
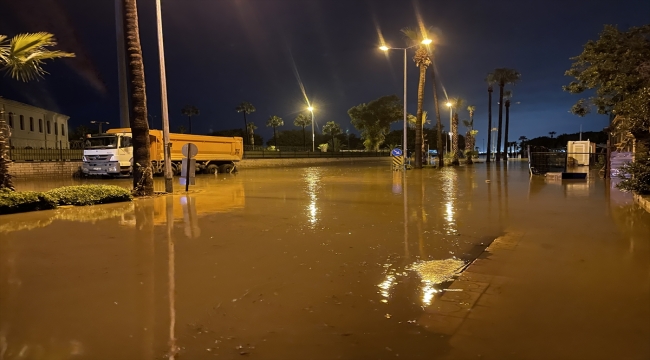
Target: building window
22, 122
49, 127
40, 125
62, 130
11, 120
31, 123
56, 129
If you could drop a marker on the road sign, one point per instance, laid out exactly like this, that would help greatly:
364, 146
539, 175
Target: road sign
190, 150
398, 163
396, 152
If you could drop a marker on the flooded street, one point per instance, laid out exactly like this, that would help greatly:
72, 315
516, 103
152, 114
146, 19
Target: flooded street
313, 263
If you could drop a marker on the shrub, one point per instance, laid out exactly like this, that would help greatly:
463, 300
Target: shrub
14, 202
21, 201
90, 194
636, 177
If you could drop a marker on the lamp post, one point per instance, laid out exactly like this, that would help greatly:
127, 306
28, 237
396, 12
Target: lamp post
99, 123
386, 48
169, 185
450, 116
313, 136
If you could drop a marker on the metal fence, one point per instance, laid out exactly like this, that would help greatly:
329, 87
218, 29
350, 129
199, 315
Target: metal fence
269, 154
545, 162
45, 154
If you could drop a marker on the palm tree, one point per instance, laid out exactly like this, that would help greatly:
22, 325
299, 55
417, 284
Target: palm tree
522, 142
332, 129
274, 122
552, 133
422, 61
490, 81
251, 132
246, 108
22, 58
303, 121
503, 76
441, 161
189, 111
470, 134
142, 171
507, 95
456, 104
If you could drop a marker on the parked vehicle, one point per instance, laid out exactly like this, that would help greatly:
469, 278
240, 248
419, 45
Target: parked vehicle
111, 153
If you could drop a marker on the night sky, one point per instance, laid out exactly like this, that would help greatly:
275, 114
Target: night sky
222, 52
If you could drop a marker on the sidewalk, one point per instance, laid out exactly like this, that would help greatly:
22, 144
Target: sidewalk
537, 295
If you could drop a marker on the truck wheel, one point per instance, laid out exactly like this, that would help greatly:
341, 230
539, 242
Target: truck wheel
211, 169
225, 168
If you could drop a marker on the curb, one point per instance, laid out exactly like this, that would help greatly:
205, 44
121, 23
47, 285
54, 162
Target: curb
643, 201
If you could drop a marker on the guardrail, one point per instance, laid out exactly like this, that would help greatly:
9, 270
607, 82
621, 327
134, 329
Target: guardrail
45, 154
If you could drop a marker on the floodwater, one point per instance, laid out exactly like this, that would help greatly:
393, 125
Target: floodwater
292, 263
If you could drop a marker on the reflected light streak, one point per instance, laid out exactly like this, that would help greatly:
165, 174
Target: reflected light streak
450, 196
428, 291
312, 178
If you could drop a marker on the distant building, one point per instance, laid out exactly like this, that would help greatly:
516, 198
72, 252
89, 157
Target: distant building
33, 127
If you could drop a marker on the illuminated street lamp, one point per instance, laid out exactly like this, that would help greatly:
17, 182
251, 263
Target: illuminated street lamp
313, 137
386, 48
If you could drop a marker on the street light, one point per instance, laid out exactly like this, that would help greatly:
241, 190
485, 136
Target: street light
100, 123
313, 137
386, 48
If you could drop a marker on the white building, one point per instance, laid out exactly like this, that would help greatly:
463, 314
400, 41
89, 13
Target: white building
33, 127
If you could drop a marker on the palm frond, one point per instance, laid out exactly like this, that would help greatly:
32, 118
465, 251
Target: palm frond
26, 53
467, 123
412, 35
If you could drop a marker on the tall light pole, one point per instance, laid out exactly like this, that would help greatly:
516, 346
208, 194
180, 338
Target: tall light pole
99, 123
313, 136
450, 116
169, 184
386, 48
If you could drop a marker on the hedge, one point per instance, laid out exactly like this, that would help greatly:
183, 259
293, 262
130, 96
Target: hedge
14, 202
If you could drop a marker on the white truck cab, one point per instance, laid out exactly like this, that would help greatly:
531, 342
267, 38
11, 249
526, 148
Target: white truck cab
108, 154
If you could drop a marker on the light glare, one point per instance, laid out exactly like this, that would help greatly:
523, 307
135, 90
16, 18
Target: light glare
383, 48
427, 41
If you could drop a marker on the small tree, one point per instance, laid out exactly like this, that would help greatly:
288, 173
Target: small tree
274, 122
332, 129
189, 111
374, 118
246, 108
303, 121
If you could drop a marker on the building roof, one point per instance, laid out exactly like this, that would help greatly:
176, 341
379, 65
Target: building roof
32, 107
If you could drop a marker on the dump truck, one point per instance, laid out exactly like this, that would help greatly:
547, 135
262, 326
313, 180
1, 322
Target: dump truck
111, 153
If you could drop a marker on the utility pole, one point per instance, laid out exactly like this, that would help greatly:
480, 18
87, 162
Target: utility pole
169, 185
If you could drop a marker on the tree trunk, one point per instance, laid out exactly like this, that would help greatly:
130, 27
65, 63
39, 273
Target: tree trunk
507, 124
5, 134
454, 139
469, 147
275, 139
245, 125
252, 139
489, 131
142, 171
441, 161
499, 131
304, 139
418, 123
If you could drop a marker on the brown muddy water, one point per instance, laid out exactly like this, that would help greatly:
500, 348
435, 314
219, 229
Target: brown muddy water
291, 263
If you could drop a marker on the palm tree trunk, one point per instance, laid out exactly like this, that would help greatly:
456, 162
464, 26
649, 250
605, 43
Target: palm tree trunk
418, 123
454, 139
142, 171
469, 147
5, 133
507, 124
275, 139
245, 125
489, 130
438, 122
499, 133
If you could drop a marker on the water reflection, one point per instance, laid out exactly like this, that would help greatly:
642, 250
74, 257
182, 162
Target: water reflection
450, 195
312, 178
